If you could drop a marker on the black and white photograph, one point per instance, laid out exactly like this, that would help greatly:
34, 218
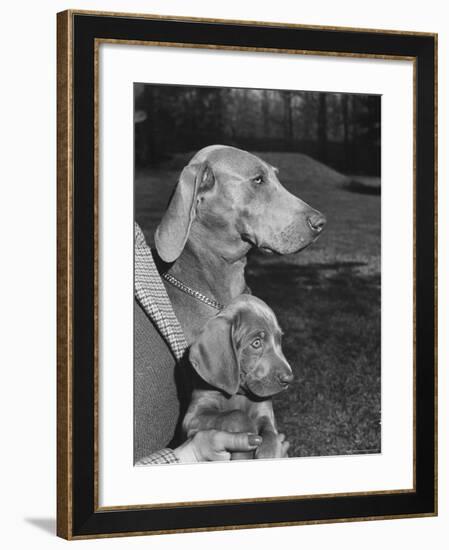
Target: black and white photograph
257, 274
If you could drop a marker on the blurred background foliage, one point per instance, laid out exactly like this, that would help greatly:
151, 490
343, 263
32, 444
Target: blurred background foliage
340, 130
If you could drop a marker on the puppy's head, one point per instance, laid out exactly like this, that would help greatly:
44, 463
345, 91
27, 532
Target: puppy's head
241, 348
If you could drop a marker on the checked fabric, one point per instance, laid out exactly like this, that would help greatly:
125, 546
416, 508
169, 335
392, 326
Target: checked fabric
150, 292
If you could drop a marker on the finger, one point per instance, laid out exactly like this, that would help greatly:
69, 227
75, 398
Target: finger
281, 438
221, 457
285, 447
237, 441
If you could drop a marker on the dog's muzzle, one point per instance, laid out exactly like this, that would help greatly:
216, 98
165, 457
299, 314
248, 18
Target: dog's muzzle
316, 222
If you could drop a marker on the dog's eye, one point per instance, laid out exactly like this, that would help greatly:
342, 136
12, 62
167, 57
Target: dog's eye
258, 180
257, 343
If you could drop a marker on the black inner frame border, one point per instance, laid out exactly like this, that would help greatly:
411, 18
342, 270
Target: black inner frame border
87, 521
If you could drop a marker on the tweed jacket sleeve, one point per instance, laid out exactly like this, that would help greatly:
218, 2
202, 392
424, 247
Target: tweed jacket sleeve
159, 344
164, 456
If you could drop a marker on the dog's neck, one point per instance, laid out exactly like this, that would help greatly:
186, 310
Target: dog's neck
210, 272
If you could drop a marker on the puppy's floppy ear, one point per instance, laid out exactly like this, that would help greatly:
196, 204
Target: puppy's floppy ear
173, 230
214, 356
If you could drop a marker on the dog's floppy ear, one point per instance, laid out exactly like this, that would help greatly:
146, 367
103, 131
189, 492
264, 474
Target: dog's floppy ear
214, 356
173, 230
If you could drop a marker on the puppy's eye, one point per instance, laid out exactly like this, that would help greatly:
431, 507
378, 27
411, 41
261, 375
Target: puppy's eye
257, 343
258, 180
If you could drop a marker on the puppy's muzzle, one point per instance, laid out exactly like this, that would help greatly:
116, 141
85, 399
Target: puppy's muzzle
285, 378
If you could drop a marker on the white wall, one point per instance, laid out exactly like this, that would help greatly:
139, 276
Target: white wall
27, 235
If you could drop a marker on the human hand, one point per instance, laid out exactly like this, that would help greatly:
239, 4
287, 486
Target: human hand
216, 445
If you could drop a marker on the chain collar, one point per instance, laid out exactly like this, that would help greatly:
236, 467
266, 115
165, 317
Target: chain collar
191, 292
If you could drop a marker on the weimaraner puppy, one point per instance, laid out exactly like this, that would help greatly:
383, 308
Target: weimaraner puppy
226, 202
240, 363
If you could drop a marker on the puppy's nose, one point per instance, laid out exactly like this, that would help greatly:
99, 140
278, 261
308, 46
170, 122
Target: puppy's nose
317, 221
286, 377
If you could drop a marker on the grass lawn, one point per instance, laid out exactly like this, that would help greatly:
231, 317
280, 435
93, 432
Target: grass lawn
327, 300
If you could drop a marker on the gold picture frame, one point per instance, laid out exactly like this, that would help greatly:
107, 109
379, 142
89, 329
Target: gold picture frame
79, 514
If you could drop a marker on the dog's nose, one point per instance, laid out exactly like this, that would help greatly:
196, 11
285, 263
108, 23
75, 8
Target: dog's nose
286, 377
317, 221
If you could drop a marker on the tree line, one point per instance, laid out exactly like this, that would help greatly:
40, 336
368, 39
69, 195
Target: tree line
339, 129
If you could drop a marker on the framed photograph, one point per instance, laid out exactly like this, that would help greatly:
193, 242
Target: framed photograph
246, 274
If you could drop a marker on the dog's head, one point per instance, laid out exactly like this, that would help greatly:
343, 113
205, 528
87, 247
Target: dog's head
240, 348
231, 199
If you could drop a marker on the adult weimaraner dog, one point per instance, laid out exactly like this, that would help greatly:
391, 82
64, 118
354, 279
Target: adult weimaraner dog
226, 202
240, 363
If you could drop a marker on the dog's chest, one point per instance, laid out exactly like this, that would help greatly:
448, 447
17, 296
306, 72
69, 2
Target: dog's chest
191, 314
241, 403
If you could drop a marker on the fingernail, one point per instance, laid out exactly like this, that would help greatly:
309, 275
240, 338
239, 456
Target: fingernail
254, 439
